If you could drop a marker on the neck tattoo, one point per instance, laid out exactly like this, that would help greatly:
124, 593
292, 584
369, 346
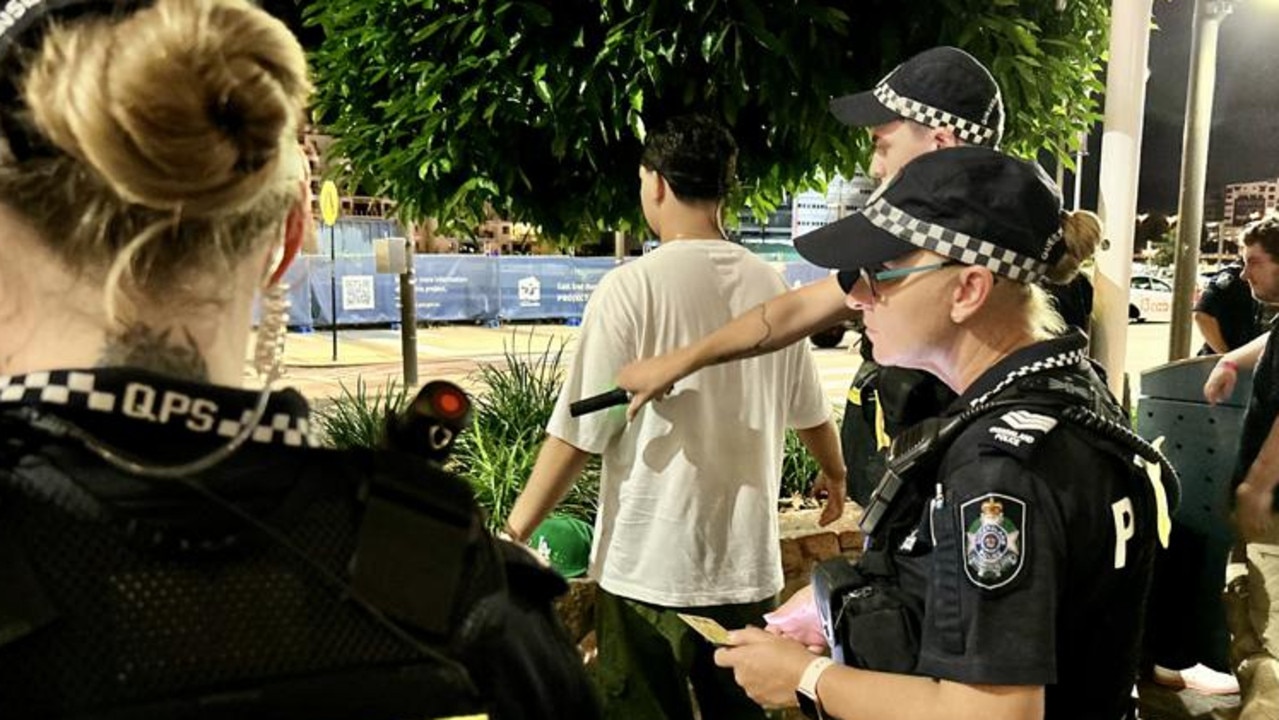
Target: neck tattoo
147, 348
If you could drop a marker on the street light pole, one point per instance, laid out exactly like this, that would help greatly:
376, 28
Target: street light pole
1194, 165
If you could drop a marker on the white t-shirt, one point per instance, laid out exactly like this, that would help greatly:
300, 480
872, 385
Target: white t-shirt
688, 497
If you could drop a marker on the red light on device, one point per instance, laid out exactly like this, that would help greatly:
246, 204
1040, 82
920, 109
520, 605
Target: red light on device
449, 402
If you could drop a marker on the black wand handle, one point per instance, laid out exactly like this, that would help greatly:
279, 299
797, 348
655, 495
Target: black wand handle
616, 396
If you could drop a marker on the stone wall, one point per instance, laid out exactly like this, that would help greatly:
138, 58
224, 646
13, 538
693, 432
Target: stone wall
804, 544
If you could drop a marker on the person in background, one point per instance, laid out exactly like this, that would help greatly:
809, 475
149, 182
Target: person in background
1255, 626
1227, 314
689, 490
942, 97
1073, 301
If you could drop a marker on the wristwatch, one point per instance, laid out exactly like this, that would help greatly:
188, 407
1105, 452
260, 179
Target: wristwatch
806, 693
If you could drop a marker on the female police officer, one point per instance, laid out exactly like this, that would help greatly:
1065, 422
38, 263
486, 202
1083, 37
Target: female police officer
171, 545
1005, 572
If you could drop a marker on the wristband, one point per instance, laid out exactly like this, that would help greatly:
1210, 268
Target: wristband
806, 693
1230, 365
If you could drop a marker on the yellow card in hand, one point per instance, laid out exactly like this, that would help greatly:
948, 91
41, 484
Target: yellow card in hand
714, 633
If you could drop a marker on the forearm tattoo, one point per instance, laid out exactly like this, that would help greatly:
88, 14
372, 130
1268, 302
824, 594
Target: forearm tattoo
762, 347
147, 348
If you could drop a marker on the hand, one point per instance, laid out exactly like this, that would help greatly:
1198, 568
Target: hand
798, 620
1221, 382
1254, 509
767, 667
833, 489
650, 379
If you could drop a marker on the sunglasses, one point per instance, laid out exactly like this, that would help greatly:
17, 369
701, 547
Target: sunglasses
874, 277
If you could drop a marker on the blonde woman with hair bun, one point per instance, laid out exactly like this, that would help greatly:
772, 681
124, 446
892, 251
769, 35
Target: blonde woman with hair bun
173, 545
1010, 550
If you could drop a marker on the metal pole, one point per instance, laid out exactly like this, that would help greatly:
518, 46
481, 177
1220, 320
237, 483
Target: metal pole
408, 315
1079, 169
333, 285
1117, 182
1194, 165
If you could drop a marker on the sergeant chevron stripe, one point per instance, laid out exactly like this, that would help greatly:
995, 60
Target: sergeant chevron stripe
1026, 420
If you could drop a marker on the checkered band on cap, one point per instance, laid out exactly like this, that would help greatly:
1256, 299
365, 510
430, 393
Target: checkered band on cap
967, 130
953, 244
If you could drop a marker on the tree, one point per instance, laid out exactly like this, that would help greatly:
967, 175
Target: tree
538, 107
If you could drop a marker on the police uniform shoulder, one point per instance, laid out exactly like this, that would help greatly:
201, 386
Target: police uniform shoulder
1226, 278
1014, 432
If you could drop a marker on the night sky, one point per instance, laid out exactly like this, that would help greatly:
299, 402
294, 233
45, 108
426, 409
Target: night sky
1244, 144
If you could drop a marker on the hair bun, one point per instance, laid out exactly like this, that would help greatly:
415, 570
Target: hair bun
187, 104
1081, 232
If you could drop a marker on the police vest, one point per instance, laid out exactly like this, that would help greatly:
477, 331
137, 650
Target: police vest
861, 604
355, 585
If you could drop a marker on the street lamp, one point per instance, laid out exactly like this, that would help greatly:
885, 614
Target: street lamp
1194, 165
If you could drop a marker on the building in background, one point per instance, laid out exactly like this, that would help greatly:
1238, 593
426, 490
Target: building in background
813, 209
1245, 202
805, 212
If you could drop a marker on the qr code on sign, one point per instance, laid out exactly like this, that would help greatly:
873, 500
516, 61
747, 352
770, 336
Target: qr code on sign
357, 292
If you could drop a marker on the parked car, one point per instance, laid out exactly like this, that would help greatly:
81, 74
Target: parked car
1149, 299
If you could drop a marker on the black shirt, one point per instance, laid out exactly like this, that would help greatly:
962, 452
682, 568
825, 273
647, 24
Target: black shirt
1228, 299
1263, 406
1024, 577
1073, 300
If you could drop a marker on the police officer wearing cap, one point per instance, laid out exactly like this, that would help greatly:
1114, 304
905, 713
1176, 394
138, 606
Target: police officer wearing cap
942, 97
1011, 544
1227, 314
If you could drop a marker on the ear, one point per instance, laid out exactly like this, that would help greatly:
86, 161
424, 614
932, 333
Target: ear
971, 292
660, 188
296, 226
944, 137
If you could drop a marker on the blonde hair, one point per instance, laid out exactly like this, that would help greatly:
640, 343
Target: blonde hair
1081, 233
177, 128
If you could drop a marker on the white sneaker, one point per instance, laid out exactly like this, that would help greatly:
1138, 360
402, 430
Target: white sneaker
1201, 679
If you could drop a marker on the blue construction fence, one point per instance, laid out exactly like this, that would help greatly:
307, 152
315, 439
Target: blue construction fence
450, 288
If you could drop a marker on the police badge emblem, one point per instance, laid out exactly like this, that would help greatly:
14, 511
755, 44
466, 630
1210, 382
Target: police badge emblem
994, 547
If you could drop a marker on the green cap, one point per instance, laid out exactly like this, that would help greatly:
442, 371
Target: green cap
564, 542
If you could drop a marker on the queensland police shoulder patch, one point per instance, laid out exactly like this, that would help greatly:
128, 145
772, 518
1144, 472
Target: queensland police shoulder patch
994, 541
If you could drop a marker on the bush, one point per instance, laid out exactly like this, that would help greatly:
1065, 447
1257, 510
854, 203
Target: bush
507, 428
496, 454
358, 419
799, 467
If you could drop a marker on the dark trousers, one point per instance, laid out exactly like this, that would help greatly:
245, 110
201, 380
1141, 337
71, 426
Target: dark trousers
648, 656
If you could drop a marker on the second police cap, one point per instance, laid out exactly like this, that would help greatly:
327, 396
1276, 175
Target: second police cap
940, 87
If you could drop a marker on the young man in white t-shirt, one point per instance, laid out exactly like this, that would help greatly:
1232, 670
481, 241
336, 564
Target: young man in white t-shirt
688, 496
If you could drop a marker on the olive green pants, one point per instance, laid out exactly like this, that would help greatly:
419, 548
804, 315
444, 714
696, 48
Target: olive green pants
1252, 613
648, 657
